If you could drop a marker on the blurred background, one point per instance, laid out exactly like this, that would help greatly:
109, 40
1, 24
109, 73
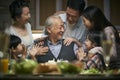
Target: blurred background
41, 9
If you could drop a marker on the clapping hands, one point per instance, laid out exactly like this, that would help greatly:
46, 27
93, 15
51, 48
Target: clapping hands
81, 54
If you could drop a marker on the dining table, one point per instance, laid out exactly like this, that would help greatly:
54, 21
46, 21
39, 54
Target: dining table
60, 77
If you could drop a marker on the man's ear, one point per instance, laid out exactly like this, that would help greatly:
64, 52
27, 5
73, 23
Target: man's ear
48, 29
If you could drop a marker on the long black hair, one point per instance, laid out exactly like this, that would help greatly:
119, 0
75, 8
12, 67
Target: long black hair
100, 22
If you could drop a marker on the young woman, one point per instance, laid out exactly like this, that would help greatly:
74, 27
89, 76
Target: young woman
95, 20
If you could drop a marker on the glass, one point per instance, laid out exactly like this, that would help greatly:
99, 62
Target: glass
4, 56
107, 46
4, 65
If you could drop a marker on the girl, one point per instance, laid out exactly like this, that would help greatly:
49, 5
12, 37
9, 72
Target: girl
93, 57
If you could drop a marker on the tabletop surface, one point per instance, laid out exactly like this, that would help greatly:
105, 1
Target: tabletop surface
62, 77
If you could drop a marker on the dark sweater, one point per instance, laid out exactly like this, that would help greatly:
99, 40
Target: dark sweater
66, 53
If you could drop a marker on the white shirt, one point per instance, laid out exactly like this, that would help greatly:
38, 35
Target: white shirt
26, 40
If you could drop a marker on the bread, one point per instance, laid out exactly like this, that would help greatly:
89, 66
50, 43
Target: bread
46, 68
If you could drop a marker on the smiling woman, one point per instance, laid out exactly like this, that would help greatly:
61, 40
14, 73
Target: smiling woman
20, 14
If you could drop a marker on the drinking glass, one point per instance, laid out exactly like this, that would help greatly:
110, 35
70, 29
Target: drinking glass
4, 56
107, 46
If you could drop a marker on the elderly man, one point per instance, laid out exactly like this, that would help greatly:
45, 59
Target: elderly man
54, 28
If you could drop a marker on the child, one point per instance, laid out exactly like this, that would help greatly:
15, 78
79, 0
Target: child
94, 52
18, 50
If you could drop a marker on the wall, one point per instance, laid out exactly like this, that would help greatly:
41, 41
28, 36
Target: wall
46, 8
5, 19
115, 12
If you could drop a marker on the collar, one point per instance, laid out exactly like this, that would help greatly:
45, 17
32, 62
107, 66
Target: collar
50, 43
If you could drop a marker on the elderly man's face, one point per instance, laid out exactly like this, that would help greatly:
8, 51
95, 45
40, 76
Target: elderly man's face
57, 30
